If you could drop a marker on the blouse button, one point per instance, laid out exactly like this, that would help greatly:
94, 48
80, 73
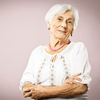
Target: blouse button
65, 68
44, 59
42, 63
39, 71
38, 75
62, 57
67, 77
52, 70
53, 66
63, 60
64, 64
52, 84
41, 67
51, 74
52, 79
66, 72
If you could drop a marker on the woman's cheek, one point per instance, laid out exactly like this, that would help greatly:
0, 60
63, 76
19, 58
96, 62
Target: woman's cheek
70, 29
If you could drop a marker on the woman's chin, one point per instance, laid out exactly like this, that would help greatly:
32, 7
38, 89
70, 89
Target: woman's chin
61, 37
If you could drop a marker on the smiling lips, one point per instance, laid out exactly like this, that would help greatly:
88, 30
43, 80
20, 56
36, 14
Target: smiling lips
62, 31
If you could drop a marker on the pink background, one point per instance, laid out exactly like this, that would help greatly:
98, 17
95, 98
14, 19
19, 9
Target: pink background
23, 28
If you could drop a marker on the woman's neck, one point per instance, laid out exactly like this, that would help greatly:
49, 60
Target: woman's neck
56, 43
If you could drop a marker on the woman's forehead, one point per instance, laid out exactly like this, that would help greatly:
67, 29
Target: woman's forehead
67, 14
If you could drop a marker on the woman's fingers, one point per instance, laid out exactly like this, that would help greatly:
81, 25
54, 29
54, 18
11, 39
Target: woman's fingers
71, 83
25, 90
75, 82
34, 95
28, 94
72, 79
77, 74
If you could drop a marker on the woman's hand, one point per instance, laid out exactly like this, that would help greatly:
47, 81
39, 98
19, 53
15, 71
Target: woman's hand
72, 79
27, 90
37, 92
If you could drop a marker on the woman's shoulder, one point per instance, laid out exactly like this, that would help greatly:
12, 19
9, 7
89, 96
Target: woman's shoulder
79, 45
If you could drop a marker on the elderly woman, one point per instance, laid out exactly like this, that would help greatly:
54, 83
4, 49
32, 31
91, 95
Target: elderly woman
60, 69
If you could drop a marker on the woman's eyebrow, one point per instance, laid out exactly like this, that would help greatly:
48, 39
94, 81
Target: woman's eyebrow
59, 17
70, 19
67, 19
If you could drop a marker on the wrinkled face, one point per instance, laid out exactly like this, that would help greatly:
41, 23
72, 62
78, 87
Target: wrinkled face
62, 25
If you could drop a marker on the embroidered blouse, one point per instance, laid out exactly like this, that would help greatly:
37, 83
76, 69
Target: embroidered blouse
72, 60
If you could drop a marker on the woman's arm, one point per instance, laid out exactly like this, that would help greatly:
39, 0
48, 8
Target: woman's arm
64, 90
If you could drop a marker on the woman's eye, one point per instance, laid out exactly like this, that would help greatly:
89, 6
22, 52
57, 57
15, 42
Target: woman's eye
69, 22
59, 19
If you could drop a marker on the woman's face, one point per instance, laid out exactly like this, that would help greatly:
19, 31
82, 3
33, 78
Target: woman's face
62, 25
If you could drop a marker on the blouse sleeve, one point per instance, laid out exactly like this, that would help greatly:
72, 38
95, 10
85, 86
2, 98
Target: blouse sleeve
81, 64
28, 75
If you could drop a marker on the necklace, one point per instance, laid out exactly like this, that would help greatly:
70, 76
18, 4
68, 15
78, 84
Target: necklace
59, 47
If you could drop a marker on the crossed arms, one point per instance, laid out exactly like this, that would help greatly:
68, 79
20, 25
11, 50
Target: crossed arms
69, 88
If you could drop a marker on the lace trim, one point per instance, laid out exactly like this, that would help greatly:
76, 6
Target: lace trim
65, 67
52, 77
39, 72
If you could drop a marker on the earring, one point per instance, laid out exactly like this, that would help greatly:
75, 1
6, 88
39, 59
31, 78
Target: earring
71, 34
48, 28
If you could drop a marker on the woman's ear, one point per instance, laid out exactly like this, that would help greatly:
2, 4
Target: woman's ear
48, 25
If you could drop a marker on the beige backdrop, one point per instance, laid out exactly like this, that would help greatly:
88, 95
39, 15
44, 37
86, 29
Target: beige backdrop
23, 28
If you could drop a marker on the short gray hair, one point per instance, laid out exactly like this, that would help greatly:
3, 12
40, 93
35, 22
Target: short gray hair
61, 8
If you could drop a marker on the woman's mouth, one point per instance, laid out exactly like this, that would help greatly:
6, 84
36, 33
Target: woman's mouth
62, 31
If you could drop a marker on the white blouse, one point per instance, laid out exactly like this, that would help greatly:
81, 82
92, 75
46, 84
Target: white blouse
72, 60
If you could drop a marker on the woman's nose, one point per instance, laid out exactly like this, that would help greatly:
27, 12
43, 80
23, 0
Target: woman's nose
64, 24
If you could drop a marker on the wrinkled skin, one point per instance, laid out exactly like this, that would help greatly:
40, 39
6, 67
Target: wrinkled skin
39, 91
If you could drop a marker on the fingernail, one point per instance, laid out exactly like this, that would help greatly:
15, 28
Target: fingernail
24, 96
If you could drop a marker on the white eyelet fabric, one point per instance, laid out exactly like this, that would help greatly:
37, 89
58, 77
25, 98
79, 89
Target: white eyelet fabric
72, 60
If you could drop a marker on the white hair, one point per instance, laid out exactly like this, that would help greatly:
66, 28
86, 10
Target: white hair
61, 8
